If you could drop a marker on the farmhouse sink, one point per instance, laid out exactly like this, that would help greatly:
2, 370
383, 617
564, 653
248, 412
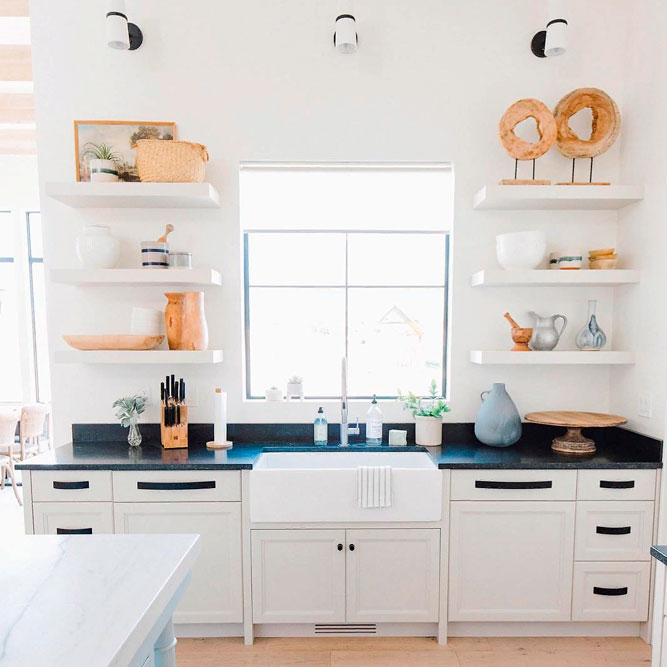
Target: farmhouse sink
288, 487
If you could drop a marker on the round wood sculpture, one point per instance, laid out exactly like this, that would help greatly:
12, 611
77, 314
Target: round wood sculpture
546, 128
606, 123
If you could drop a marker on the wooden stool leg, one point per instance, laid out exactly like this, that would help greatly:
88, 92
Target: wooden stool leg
10, 470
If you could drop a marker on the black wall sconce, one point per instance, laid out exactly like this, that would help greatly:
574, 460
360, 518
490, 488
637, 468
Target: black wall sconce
552, 41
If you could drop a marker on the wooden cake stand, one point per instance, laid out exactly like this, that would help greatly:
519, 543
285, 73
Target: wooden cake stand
573, 442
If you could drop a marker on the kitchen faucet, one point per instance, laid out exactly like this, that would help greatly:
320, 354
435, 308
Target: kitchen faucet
345, 429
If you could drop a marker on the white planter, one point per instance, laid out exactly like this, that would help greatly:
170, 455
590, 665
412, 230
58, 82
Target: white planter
97, 248
294, 390
428, 431
273, 394
103, 171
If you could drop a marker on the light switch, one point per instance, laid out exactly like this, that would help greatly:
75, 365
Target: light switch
646, 405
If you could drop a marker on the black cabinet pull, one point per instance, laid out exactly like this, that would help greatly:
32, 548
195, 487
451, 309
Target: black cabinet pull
597, 590
608, 484
71, 485
606, 530
175, 486
483, 484
74, 531
351, 547
339, 547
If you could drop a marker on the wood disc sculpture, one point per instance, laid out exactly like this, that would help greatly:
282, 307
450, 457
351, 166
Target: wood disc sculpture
520, 149
606, 125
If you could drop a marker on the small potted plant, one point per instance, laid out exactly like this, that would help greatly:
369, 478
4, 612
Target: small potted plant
102, 162
294, 387
427, 411
128, 410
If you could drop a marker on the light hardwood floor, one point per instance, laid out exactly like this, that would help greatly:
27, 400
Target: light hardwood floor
415, 652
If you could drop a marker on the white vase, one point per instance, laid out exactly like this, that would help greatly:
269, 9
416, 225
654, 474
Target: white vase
97, 248
294, 390
102, 171
428, 431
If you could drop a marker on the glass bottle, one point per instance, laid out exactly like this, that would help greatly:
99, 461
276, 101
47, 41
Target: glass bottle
591, 337
320, 429
374, 424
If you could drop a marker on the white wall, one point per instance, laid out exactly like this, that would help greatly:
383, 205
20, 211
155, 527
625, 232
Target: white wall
257, 80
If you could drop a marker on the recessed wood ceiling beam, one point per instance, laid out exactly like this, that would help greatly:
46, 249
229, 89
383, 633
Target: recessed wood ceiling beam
17, 142
16, 108
14, 8
15, 63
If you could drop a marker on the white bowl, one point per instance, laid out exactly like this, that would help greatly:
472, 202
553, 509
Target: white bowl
520, 250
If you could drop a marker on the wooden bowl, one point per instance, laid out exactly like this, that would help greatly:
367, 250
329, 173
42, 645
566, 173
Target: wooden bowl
520, 337
113, 342
602, 264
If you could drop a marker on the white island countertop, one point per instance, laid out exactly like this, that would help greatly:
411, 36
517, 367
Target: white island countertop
89, 600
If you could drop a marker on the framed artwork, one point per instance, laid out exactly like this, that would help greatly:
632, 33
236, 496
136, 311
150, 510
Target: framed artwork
118, 136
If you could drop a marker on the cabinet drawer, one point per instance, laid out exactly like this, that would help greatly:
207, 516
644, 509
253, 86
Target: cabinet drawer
176, 486
611, 591
73, 518
616, 485
614, 530
66, 485
514, 484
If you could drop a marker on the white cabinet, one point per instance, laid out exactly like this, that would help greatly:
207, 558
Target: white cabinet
393, 575
298, 576
215, 592
73, 518
511, 561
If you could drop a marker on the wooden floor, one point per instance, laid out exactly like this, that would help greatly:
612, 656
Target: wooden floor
415, 652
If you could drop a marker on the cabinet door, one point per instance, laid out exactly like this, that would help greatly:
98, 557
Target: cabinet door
393, 575
511, 561
73, 518
298, 576
215, 591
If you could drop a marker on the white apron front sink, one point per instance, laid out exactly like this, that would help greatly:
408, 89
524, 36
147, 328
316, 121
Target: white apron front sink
287, 487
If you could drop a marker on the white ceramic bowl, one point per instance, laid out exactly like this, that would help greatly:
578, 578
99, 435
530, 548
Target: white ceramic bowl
520, 250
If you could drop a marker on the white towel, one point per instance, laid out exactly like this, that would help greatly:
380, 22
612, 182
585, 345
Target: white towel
374, 486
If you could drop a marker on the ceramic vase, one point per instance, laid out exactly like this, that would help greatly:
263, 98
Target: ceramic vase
97, 248
185, 321
591, 337
102, 171
428, 431
498, 423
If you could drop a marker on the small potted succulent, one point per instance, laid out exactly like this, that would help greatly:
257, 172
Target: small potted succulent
427, 411
295, 387
102, 162
128, 410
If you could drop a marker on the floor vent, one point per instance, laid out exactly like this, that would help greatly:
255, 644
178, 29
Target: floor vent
345, 629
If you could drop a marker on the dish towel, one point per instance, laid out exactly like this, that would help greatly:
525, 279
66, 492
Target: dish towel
374, 486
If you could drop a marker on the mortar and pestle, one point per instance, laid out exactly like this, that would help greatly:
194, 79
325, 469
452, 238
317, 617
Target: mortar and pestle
520, 335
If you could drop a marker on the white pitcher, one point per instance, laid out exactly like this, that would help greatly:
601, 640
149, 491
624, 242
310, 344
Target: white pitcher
545, 335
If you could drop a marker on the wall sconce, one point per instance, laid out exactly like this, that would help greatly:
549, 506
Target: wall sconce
345, 37
121, 34
552, 41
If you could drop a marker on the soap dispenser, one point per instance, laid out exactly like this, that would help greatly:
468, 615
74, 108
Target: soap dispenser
321, 434
374, 424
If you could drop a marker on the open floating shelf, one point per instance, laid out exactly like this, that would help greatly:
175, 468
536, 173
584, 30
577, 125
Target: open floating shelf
137, 357
570, 357
137, 277
135, 195
556, 197
553, 277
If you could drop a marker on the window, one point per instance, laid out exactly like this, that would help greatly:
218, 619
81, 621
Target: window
374, 290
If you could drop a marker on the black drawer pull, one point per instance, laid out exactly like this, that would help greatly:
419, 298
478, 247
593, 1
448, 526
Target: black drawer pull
351, 547
71, 485
607, 484
482, 484
175, 486
339, 547
606, 530
597, 590
74, 531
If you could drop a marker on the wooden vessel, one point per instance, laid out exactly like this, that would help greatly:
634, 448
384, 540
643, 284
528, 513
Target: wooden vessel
113, 341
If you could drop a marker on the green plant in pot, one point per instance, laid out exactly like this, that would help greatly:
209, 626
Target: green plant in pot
128, 410
102, 162
427, 411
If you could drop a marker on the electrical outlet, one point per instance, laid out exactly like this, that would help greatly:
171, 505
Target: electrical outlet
646, 405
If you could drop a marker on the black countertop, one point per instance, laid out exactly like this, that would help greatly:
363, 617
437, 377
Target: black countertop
659, 553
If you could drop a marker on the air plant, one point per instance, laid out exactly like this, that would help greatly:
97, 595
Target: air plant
432, 405
295, 379
100, 152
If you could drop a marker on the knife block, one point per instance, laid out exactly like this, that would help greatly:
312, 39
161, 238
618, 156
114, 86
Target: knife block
175, 437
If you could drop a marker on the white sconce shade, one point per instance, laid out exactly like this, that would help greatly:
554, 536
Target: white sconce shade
345, 35
118, 36
556, 38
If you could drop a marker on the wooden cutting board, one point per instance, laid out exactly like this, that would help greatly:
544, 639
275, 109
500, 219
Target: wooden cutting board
113, 342
575, 419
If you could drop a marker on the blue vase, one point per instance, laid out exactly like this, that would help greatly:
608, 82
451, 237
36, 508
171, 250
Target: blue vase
498, 422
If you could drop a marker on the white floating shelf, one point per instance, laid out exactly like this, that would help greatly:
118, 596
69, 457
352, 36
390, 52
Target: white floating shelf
557, 197
574, 357
138, 277
137, 357
548, 277
135, 195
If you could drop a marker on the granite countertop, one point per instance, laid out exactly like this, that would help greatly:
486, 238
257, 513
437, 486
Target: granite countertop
117, 455
659, 553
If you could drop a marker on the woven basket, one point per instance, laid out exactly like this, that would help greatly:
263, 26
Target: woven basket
164, 161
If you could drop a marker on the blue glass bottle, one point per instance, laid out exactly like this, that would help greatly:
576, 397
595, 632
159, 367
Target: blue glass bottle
321, 429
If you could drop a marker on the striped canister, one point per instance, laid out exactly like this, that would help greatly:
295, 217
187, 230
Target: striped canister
154, 255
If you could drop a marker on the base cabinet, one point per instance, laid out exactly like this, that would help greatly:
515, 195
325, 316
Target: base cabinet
215, 593
72, 518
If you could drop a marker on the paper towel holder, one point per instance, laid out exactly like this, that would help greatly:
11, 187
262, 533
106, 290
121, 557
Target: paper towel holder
220, 423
